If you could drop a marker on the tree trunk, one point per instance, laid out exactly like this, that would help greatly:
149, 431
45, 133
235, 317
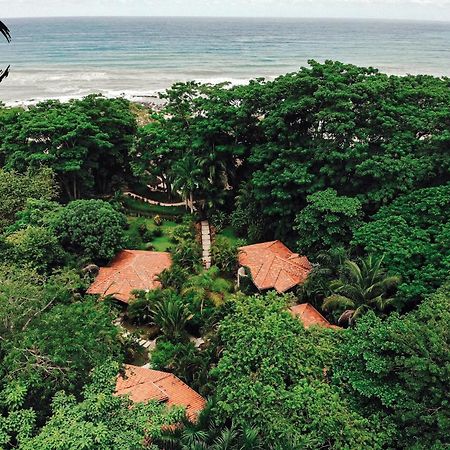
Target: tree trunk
66, 186
191, 199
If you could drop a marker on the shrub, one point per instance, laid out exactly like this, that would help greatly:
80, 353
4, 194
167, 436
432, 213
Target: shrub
174, 277
219, 220
224, 254
91, 229
37, 246
184, 232
187, 254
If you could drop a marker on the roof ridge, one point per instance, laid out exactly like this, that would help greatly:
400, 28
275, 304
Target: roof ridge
266, 264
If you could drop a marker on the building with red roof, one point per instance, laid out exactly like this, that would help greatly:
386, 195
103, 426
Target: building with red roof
144, 385
309, 316
129, 271
273, 266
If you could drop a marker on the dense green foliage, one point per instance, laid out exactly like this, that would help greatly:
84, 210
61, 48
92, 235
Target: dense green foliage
328, 221
101, 420
363, 285
413, 234
346, 165
399, 368
273, 376
92, 229
16, 189
85, 142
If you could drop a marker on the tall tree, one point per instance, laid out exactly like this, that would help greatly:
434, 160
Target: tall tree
413, 234
398, 371
85, 142
272, 376
93, 230
327, 222
16, 189
187, 179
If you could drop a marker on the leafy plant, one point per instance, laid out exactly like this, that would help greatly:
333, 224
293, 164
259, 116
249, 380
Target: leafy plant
365, 285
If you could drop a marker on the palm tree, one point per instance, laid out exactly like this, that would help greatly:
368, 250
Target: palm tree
365, 285
171, 317
208, 286
216, 169
5, 32
206, 434
187, 178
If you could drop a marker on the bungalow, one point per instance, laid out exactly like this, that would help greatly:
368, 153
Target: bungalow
143, 385
309, 316
129, 271
273, 266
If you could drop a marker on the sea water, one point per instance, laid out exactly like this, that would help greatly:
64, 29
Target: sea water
137, 57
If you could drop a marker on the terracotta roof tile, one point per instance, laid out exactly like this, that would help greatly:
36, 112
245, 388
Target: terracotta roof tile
274, 266
143, 385
310, 316
130, 270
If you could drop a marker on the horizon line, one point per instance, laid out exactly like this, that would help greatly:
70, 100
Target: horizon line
386, 19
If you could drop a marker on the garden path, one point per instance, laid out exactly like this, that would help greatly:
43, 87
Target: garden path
154, 202
206, 243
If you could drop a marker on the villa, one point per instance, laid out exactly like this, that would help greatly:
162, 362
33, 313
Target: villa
271, 265
309, 316
130, 270
144, 385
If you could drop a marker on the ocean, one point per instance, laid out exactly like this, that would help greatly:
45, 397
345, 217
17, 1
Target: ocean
137, 57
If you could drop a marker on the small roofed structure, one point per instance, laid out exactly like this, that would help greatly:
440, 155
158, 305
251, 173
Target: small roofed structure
144, 385
129, 271
273, 266
309, 316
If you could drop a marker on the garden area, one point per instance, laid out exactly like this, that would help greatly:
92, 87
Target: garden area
145, 234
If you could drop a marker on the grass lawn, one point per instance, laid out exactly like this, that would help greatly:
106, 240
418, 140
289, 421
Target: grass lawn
230, 234
162, 244
159, 244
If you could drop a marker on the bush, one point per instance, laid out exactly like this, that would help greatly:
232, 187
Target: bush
168, 356
188, 255
36, 246
225, 255
91, 229
174, 277
184, 232
140, 310
219, 220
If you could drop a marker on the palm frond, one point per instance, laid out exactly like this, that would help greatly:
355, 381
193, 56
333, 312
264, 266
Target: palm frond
4, 30
354, 270
336, 301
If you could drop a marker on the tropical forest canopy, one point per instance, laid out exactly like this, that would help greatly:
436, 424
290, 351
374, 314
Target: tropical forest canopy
345, 165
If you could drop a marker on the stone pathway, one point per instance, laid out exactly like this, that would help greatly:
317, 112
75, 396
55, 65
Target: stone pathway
153, 202
206, 244
149, 345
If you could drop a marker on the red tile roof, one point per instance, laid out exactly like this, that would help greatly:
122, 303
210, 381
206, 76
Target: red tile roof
143, 385
274, 266
310, 316
130, 270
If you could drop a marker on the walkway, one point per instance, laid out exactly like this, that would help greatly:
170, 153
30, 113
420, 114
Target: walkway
206, 243
148, 345
152, 202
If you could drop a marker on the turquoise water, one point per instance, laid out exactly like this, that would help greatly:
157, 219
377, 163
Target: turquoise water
70, 57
